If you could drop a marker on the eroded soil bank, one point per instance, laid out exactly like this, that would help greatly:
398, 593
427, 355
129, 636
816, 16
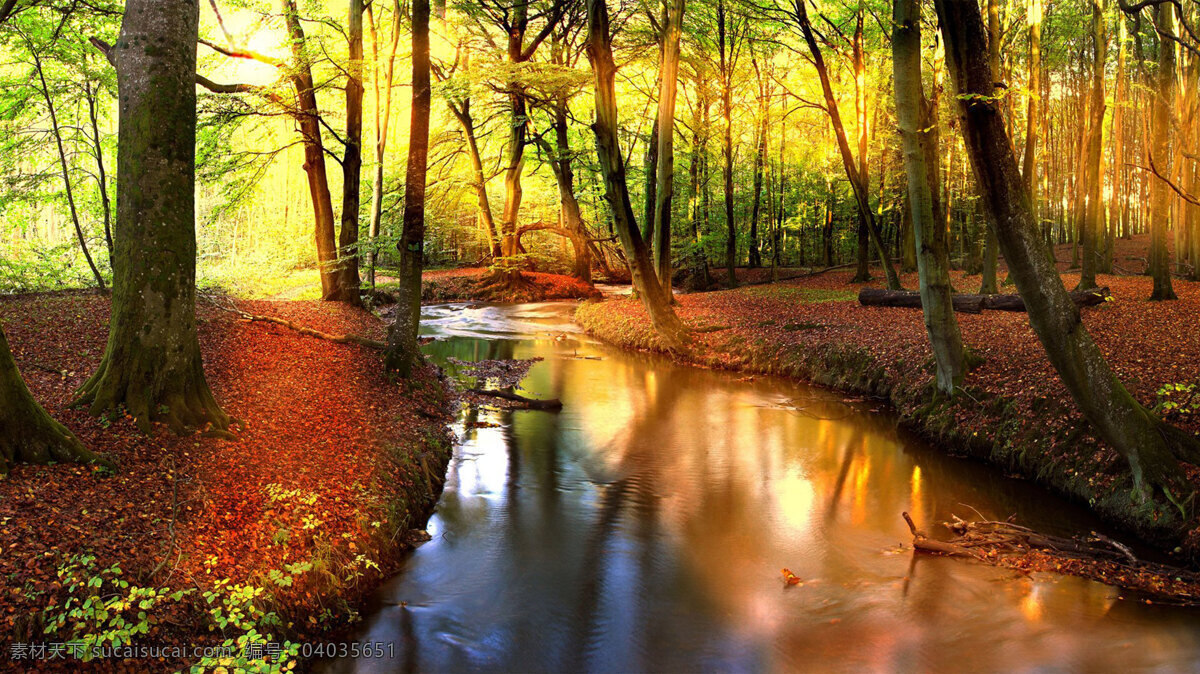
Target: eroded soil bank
1014, 411
280, 533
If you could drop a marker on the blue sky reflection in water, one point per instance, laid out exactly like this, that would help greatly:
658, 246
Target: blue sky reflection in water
644, 527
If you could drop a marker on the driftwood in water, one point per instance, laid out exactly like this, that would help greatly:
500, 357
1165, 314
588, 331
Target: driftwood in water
1095, 557
531, 403
970, 304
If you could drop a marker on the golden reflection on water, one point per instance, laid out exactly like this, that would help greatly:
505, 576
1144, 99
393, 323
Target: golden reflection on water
646, 525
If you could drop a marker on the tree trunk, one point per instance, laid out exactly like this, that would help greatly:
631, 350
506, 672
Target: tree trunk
1160, 154
760, 160
462, 112
564, 176
727, 43
1150, 446
665, 193
383, 116
655, 299
933, 258
987, 285
101, 173
350, 282
27, 433
152, 363
402, 348
66, 174
308, 116
1094, 213
856, 177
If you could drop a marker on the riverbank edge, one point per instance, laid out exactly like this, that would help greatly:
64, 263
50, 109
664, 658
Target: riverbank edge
402, 499
845, 367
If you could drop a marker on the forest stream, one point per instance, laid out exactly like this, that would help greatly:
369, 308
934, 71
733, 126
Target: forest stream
645, 526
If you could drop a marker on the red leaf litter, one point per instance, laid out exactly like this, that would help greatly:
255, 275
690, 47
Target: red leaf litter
320, 459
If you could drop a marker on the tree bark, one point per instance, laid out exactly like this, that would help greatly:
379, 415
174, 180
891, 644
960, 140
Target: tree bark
1160, 155
1094, 212
1150, 446
727, 42
383, 115
66, 174
612, 165
27, 433
760, 160
856, 177
933, 257
349, 280
987, 284
665, 174
152, 363
402, 347
308, 116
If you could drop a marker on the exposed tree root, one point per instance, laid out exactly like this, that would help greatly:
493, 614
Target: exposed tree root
184, 404
1095, 557
340, 339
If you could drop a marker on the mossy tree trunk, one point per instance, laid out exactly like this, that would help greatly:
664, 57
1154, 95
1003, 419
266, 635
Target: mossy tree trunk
658, 304
672, 27
933, 258
1150, 446
152, 364
402, 346
27, 433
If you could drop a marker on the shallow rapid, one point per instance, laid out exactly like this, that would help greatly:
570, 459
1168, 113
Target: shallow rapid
644, 528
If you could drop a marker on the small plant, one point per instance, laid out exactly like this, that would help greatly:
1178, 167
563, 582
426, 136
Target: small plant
1179, 399
103, 609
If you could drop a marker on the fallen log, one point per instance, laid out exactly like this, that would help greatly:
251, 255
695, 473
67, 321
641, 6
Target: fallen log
531, 403
1013, 302
909, 299
970, 304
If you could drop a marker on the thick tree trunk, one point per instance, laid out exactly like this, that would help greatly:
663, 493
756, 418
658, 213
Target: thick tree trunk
933, 258
616, 188
27, 433
349, 280
1160, 154
665, 173
152, 362
402, 347
1150, 446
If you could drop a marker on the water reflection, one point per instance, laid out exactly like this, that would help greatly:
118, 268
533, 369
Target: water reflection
644, 527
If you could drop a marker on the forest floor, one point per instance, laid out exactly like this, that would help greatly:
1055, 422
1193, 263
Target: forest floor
335, 469
1015, 411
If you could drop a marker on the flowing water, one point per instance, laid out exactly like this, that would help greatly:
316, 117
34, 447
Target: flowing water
644, 528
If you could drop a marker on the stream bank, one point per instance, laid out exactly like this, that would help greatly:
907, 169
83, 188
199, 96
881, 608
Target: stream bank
1014, 412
